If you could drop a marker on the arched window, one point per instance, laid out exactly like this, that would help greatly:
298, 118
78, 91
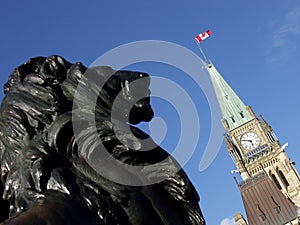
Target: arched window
283, 179
275, 180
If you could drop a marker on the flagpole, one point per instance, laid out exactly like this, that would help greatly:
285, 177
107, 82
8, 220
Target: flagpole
204, 56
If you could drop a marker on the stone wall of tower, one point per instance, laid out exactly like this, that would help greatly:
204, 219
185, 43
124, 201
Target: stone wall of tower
269, 157
239, 219
288, 177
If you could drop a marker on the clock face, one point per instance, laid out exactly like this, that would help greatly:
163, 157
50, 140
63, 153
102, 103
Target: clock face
250, 140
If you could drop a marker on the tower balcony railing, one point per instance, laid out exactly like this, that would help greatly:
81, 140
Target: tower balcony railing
257, 152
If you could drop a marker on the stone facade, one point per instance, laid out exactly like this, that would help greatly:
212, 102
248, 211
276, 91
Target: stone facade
268, 156
239, 219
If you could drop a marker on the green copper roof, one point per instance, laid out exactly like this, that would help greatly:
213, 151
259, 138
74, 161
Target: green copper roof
233, 109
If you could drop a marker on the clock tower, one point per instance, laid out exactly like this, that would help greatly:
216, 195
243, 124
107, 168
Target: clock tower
259, 157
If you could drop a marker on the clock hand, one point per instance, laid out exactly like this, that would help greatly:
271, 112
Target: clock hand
246, 140
249, 141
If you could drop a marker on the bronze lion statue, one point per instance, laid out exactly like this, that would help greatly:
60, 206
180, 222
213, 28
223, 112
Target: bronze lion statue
64, 160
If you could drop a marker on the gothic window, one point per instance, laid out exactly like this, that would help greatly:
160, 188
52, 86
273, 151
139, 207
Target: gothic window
276, 181
270, 137
274, 136
282, 177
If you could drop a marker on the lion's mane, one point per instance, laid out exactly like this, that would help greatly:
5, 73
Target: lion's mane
42, 163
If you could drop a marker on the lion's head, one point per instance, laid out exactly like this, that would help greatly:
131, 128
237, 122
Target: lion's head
42, 160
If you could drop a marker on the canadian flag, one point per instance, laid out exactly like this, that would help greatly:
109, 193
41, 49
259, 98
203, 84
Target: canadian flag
203, 36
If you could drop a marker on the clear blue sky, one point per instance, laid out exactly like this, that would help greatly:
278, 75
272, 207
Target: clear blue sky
255, 45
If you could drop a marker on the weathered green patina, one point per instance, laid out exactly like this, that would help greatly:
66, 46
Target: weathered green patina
233, 109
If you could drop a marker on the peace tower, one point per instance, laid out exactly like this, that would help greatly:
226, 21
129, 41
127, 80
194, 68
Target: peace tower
270, 186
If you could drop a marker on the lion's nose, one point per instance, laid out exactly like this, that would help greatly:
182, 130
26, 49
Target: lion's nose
141, 111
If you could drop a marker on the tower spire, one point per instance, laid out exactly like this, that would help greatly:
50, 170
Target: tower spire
235, 112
